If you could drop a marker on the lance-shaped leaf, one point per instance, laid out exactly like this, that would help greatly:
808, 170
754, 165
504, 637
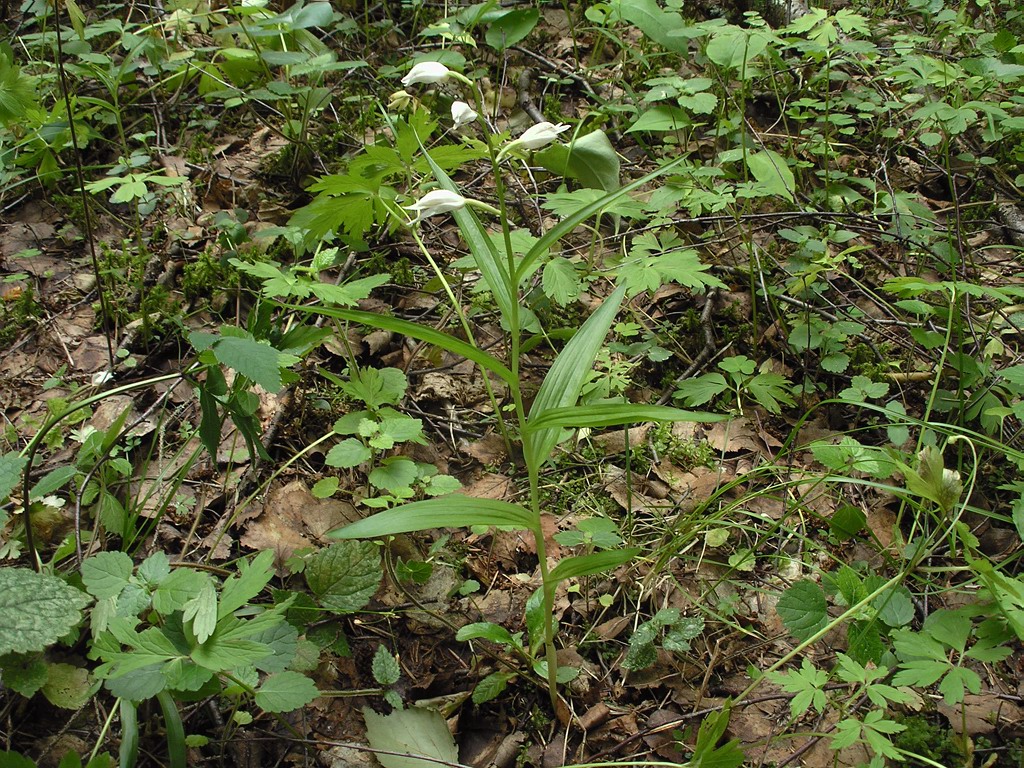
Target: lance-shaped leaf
454, 511
415, 331
561, 387
600, 415
492, 265
586, 565
569, 223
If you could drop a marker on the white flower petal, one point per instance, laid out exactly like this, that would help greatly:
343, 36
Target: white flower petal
436, 202
540, 135
101, 377
462, 114
427, 72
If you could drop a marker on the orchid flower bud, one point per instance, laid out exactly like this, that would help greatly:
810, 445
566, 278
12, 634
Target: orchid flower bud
436, 202
462, 114
540, 135
427, 72
535, 137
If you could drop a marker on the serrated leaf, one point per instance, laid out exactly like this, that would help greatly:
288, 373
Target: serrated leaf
178, 589
347, 454
345, 575
395, 475
283, 640
803, 609
253, 359
11, 466
250, 580
560, 281
105, 574
285, 691
23, 673
385, 667
772, 173
492, 686
414, 734
37, 608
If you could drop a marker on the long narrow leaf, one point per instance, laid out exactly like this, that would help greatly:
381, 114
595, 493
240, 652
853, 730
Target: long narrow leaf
454, 511
614, 415
585, 565
490, 263
562, 385
569, 223
414, 331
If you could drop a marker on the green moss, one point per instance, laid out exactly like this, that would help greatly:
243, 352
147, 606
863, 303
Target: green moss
17, 313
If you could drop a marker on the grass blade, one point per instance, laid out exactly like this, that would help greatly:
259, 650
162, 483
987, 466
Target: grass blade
614, 415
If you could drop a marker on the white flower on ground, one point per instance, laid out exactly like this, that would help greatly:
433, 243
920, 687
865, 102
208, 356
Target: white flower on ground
462, 114
427, 72
101, 377
540, 135
434, 203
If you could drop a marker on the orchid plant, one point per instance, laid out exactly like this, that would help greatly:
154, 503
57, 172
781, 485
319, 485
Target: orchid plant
556, 406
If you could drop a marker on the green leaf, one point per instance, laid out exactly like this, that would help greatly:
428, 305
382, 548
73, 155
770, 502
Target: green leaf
285, 691
176, 590
846, 522
38, 609
491, 687
734, 47
422, 332
409, 732
105, 574
11, 466
562, 384
803, 609
545, 243
492, 265
201, 610
385, 667
395, 475
488, 631
702, 389
599, 415
659, 119
561, 281
454, 511
772, 173
375, 386
590, 159
585, 565
24, 673
347, 454
250, 580
345, 575
511, 27
67, 686
655, 23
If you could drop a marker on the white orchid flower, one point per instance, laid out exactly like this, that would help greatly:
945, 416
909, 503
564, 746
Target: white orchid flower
535, 137
462, 114
428, 73
436, 202
541, 134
